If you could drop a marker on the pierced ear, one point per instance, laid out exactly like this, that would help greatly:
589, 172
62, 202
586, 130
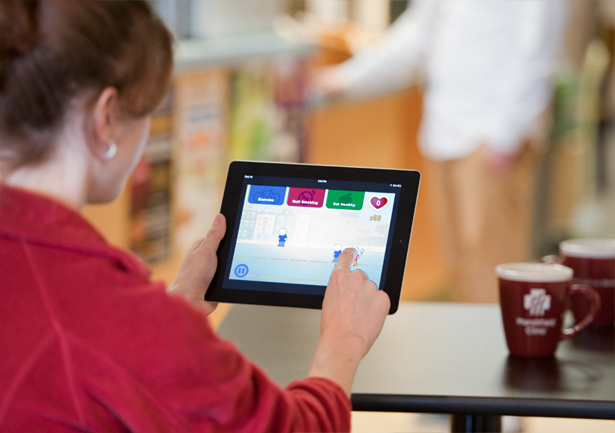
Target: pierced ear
102, 121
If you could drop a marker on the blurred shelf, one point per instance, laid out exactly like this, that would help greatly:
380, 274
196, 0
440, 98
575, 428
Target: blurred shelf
234, 50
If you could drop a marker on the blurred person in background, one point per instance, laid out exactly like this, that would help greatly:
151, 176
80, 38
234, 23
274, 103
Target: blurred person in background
487, 67
87, 341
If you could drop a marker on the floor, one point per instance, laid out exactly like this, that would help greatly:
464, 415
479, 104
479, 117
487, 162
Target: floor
370, 422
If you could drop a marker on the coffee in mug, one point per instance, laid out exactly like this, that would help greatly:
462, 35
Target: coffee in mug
593, 263
533, 300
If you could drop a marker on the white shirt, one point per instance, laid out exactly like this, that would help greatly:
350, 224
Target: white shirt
488, 67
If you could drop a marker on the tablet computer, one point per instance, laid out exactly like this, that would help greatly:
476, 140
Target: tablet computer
288, 223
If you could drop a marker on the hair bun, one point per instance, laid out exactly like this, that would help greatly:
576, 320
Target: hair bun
18, 28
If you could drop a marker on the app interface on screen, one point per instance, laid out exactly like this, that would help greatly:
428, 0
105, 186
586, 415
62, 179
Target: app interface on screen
295, 235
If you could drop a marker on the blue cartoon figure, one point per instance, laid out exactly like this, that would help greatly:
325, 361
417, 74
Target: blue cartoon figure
282, 237
337, 250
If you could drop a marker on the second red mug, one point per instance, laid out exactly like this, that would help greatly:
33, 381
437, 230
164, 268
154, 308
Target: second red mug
593, 263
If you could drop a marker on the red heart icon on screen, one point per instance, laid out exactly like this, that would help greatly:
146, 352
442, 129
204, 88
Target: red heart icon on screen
378, 202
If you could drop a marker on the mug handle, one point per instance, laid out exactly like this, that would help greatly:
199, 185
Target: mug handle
594, 306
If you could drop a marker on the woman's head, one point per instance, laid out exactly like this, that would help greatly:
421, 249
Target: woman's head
56, 54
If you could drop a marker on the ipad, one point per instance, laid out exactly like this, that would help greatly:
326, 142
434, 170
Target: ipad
288, 223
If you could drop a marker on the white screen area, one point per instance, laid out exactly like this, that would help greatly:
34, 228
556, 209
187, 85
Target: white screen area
294, 235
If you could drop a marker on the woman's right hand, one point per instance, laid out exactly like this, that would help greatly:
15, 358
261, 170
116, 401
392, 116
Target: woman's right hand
353, 313
353, 307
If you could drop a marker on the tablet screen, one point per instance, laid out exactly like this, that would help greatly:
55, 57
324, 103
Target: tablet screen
291, 231
287, 224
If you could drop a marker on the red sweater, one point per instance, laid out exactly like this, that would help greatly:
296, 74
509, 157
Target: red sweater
89, 343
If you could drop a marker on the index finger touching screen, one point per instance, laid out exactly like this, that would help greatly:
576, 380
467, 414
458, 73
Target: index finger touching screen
345, 259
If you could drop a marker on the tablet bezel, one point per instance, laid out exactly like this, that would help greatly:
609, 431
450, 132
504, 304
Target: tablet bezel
232, 202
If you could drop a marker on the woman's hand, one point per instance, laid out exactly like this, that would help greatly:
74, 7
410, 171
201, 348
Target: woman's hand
353, 314
353, 307
199, 265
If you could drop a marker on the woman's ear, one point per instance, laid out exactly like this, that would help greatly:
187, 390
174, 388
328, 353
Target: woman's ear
102, 122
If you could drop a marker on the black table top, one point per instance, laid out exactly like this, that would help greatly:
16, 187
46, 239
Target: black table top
441, 358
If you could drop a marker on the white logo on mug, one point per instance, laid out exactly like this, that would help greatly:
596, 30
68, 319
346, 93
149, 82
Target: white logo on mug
537, 302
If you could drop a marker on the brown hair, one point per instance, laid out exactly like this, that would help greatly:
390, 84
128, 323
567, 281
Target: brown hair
54, 51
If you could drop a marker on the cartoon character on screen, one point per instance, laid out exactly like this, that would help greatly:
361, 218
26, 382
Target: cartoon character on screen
356, 258
337, 250
282, 236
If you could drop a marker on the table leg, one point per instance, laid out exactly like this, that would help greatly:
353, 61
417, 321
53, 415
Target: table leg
476, 424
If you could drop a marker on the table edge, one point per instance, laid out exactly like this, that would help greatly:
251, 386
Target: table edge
550, 408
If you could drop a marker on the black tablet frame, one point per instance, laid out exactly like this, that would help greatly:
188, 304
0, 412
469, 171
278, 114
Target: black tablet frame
407, 181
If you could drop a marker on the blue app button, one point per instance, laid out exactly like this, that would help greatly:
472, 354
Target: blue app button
263, 194
241, 270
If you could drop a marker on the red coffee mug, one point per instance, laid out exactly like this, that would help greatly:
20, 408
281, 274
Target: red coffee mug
533, 299
593, 263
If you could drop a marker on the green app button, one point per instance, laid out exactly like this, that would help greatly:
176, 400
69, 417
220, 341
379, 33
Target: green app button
350, 200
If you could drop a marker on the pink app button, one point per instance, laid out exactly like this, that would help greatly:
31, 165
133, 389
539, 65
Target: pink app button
306, 197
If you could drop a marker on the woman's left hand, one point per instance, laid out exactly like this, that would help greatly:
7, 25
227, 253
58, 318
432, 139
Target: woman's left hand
199, 265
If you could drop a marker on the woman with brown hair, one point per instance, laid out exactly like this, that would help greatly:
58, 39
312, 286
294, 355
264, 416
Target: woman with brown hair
87, 341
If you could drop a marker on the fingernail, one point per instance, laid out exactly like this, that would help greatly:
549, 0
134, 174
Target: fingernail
217, 219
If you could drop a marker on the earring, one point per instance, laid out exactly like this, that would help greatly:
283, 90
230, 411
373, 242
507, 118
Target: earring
111, 151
